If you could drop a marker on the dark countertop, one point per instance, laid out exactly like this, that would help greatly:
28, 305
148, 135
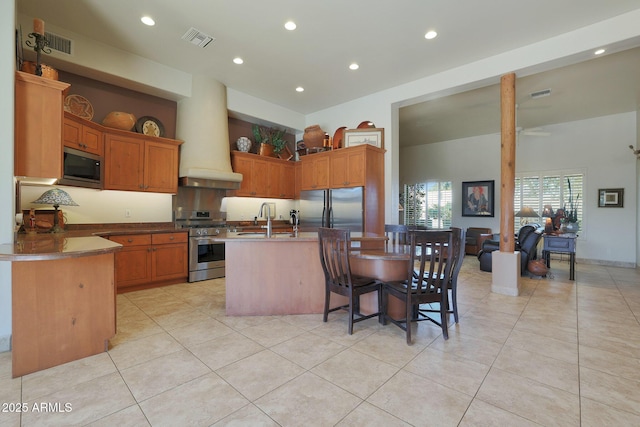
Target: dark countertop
76, 241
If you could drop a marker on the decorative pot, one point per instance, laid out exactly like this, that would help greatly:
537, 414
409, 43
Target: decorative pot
313, 136
266, 150
119, 120
47, 71
570, 227
244, 144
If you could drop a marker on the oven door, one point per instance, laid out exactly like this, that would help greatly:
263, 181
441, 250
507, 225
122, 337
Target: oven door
206, 258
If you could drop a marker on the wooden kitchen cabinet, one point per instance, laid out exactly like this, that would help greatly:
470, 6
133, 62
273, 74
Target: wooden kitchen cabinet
359, 166
82, 135
347, 167
254, 170
264, 176
169, 256
63, 310
281, 179
148, 260
315, 171
38, 126
139, 164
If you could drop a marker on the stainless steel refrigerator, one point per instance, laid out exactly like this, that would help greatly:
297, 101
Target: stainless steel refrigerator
340, 208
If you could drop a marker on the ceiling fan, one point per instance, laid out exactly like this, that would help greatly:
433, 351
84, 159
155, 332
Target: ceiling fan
538, 131
535, 131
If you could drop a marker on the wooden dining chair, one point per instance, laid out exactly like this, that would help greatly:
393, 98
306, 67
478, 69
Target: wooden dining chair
458, 249
429, 256
334, 247
396, 234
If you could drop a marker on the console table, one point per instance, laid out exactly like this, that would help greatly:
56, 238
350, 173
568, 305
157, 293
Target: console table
564, 244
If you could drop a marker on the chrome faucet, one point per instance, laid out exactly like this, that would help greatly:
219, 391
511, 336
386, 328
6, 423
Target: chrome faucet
268, 226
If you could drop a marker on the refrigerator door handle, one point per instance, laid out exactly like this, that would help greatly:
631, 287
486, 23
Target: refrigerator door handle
331, 217
324, 216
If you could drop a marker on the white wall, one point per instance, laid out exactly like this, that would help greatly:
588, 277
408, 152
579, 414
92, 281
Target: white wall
104, 207
247, 208
596, 147
7, 67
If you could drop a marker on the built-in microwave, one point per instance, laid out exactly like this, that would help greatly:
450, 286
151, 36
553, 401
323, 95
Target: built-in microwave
81, 169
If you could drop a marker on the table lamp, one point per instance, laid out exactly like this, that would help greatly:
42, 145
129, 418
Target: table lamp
55, 197
526, 212
549, 215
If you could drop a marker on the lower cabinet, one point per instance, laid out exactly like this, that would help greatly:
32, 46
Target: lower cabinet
148, 260
63, 310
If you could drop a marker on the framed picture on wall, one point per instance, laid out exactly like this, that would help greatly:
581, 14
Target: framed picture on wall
611, 198
372, 136
478, 198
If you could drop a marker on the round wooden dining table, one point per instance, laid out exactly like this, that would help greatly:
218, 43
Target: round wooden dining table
388, 263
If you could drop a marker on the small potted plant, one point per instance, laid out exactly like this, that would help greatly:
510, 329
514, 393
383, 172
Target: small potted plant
271, 140
570, 219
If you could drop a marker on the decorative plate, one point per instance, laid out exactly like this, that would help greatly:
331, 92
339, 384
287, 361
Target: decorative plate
78, 106
150, 126
338, 138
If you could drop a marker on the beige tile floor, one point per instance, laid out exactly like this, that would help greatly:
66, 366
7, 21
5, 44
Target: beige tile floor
562, 354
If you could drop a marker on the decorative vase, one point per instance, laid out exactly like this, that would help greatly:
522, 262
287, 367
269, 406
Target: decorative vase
313, 136
570, 227
266, 150
244, 144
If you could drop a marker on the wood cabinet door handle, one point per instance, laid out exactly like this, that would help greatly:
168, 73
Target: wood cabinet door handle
171, 238
129, 240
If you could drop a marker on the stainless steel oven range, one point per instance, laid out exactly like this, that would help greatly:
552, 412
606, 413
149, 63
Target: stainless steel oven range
206, 255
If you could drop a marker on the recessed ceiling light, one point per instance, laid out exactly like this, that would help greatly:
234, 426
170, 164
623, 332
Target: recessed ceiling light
290, 25
238, 60
354, 66
299, 89
430, 35
147, 20
599, 51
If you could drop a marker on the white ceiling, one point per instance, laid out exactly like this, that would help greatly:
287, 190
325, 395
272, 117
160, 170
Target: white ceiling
597, 87
385, 37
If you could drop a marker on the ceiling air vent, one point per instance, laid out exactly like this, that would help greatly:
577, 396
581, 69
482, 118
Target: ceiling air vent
197, 37
59, 43
540, 93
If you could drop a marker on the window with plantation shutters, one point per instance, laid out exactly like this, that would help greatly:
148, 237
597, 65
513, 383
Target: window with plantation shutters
414, 204
538, 190
428, 204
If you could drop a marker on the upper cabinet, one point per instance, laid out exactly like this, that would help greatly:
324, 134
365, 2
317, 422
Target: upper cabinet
264, 176
348, 167
315, 171
38, 126
140, 163
82, 135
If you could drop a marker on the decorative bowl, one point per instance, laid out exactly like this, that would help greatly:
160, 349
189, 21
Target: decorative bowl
244, 144
119, 120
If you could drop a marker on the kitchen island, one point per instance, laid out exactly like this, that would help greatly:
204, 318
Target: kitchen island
63, 299
278, 275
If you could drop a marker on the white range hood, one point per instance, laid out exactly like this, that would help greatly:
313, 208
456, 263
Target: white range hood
202, 123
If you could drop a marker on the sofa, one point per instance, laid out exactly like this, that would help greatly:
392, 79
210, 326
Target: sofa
526, 243
474, 239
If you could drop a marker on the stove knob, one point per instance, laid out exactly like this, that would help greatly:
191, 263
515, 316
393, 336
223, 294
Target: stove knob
204, 232
198, 232
217, 231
